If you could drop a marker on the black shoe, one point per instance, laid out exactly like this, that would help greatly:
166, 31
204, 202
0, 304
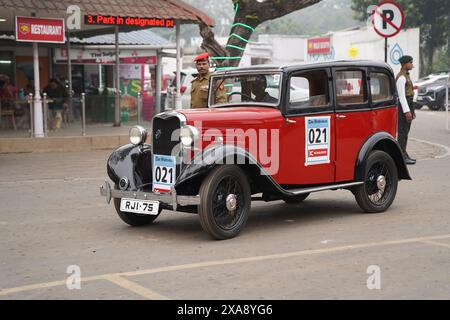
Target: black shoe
408, 157
410, 161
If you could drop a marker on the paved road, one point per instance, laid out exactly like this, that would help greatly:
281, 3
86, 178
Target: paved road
52, 217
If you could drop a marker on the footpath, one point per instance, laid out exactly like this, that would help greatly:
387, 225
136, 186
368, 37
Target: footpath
108, 137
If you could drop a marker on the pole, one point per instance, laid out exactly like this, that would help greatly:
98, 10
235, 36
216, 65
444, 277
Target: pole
30, 103
386, 50
83, 114
158, 83
117, 78
446, 100
178, 105
69, 76
38, 127
45, 107
139, 106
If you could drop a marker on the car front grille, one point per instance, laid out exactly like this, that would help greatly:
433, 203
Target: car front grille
166, 134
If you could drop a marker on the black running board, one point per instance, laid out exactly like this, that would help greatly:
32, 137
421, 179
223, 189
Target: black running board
299, 191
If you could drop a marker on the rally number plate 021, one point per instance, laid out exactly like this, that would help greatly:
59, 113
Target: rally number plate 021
164, 173
139, 206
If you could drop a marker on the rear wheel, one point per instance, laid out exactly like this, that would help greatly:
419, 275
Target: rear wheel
380, 183
225, 198
435, 107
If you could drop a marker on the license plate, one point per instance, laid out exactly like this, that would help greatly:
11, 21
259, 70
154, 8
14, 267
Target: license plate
419, 98
139, 206
164, 173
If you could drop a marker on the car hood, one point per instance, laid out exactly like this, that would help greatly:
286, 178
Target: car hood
232, 116
436, 87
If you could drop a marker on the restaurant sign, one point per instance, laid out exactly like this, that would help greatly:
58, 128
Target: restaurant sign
30, 29
97, 56
320, 45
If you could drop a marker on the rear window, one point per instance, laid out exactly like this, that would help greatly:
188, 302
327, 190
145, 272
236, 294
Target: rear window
380, 87
350, 88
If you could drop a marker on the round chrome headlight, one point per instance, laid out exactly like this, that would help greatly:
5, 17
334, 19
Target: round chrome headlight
189, 135
138, 135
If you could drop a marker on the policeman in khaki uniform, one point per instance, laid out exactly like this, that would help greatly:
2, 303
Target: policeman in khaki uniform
200, 85
406, 112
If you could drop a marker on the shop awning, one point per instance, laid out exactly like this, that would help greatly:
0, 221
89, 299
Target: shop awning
138, 37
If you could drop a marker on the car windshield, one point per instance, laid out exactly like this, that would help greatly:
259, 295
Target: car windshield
246, 89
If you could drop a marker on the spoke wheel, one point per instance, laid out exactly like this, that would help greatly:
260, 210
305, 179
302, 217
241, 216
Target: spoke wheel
380, 184
224, 202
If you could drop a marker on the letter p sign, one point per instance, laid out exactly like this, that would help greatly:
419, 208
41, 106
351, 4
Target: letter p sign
389, 16
387, 19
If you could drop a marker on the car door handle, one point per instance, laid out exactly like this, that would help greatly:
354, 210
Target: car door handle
341, 116
290, 121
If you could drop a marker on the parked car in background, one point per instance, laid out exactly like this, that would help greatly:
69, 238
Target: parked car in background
433, 96
422, 83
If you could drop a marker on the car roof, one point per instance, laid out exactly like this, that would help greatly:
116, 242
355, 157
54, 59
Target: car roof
295, 67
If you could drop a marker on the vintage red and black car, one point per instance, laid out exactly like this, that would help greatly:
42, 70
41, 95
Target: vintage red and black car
284, 133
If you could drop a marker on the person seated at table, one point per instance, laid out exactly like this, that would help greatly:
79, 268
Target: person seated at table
58, 95
8, 95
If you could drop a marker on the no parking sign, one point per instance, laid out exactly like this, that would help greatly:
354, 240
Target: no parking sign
388, 19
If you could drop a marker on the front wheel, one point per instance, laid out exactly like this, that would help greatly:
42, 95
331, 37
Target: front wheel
380, 183
225, 198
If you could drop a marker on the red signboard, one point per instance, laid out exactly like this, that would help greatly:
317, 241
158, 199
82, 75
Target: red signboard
30, 29
319, 45
128, 21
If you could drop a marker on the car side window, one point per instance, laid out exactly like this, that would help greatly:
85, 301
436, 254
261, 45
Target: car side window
380, 87
309, 91
351, 88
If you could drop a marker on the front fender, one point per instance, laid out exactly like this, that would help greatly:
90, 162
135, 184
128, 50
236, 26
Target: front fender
220, 154
132, 162
212, 156
385, 142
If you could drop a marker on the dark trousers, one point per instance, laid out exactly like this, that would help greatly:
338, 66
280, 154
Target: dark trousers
404, 126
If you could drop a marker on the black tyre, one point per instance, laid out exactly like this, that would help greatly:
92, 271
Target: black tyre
134, 219
380, 183
435, 107
417, 106
296, 199
225, 198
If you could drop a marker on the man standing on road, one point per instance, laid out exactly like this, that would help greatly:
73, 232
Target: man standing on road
406, 112
200, 85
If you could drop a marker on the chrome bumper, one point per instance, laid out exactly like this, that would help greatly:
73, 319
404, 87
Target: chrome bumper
170, 198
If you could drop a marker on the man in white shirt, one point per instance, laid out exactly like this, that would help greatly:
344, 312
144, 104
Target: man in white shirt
406, 112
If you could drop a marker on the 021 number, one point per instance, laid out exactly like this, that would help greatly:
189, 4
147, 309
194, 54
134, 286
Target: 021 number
317, 135
164, 175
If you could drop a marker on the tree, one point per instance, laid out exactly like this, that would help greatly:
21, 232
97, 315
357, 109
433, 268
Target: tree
249, 14
432, 16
